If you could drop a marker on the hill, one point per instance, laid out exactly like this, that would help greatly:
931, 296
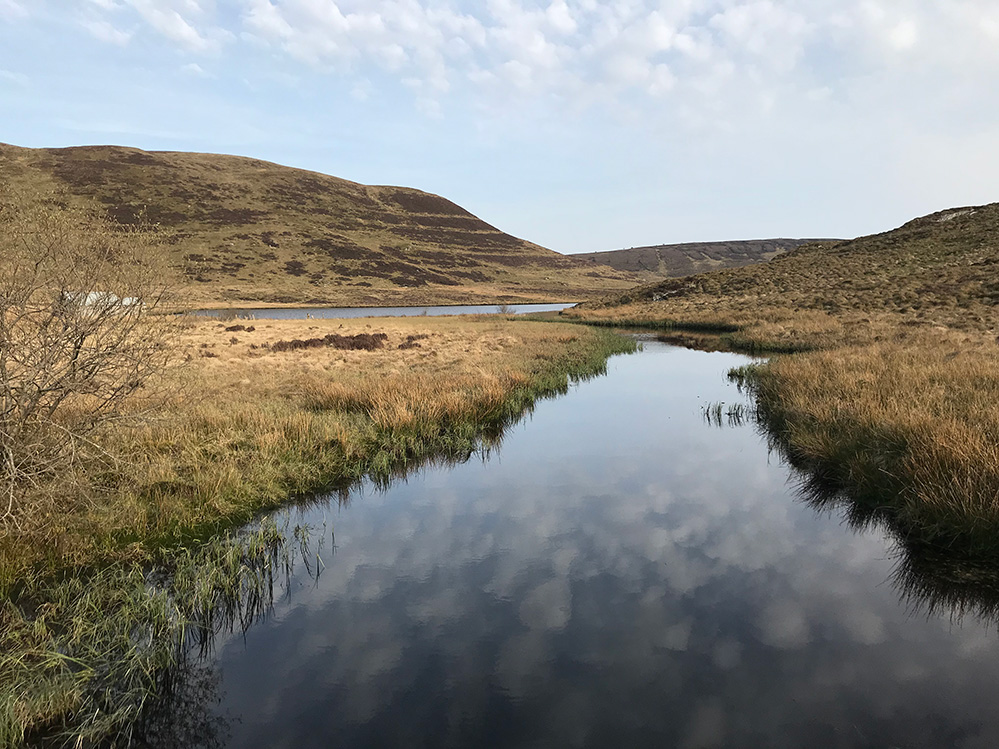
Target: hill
940, 269
672, 260
239, 230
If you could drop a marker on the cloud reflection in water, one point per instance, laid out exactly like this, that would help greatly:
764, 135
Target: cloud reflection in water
621, 573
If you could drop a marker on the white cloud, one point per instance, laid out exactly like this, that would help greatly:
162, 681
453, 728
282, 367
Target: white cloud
106, 32
661, 80
701, 62
903, 35
362, 90
560, 18
765, 30
16, 78
628, 70
12, 10
697, 49
171, 18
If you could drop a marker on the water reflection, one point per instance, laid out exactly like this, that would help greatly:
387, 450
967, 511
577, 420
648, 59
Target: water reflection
621, 573
935, 581
302, 313
185, 713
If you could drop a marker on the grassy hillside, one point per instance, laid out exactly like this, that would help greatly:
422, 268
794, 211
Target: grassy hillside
239, 230
672, 260
896, 398
939, 270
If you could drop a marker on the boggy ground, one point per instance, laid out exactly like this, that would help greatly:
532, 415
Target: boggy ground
252, 414
892, 389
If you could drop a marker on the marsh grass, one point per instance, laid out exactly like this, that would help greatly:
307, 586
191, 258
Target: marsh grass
727, 414
912, 428
85, 657
99, 607
891, 389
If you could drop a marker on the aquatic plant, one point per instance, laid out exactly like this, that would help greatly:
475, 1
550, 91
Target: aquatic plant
83, 658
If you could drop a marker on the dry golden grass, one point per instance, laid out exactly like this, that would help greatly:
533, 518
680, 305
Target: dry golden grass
912, 424
452, 345
246, 426
895, 398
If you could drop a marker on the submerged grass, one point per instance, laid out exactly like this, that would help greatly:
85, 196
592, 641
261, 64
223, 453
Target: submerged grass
88, 634
84, 656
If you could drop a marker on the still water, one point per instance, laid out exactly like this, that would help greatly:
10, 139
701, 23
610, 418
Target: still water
302, 313
620, 572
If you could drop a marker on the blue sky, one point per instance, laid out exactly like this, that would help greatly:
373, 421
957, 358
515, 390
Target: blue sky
577, 124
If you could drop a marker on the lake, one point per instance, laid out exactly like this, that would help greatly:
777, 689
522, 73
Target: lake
303, 313
619, 572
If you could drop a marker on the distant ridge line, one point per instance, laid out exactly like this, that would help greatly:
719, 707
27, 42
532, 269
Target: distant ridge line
688, 258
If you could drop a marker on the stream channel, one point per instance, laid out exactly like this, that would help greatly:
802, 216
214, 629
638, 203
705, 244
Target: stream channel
618, 572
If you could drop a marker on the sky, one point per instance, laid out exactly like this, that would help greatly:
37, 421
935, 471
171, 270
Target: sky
576, 124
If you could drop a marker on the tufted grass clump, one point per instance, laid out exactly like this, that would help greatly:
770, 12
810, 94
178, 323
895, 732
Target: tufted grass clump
912, 429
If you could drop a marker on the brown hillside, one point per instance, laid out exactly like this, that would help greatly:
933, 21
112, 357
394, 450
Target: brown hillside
673, 260
240, 230
941, 269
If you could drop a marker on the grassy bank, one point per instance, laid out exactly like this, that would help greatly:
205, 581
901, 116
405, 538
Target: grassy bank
910, 427
890, 391
903, 417
249, 420
256, 413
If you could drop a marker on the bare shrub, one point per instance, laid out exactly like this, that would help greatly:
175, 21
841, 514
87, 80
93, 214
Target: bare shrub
78, 337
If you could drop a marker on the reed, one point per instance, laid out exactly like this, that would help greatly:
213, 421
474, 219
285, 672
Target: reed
83, 657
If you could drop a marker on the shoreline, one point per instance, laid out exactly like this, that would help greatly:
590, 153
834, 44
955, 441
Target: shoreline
224, 461
252, 305
898, 416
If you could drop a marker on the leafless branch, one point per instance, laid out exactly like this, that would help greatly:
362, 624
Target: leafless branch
79, 337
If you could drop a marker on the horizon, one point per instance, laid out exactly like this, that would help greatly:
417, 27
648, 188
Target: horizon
580, 126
